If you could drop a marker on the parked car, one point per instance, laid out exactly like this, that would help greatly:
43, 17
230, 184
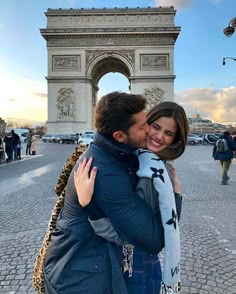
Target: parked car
86, 139
218, 135
210, 139
193, 139
68, 139
47, 138
91, 132
38, 137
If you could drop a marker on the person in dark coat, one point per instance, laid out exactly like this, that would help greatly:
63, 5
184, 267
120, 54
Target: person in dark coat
225, 157
8, 140
16, 141
2, 151
77, 260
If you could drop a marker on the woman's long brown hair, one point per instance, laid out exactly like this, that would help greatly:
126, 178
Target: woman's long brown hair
174, 110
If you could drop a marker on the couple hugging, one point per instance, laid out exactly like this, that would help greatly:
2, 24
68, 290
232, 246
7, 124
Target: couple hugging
122, 204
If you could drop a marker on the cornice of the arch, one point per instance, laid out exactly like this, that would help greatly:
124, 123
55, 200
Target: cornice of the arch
94, 58
56, 39
60, 11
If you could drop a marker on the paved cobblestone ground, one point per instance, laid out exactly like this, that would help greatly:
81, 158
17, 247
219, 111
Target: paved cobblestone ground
208, 234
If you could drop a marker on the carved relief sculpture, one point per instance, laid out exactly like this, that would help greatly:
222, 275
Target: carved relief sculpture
66, 63
154, 96
122, 40
154, 61
128, 54
65, 103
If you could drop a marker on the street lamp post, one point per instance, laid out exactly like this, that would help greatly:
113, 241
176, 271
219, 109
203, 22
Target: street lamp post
228, 32
230, 29
223, 62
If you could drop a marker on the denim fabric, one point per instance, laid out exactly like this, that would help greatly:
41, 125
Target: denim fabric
28, 151
9, 152
15, 152
146, 277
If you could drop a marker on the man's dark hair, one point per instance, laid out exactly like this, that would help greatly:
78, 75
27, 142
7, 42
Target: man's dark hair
226, 134
114, 112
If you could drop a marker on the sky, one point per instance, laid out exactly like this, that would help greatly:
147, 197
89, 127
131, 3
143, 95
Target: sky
202, 85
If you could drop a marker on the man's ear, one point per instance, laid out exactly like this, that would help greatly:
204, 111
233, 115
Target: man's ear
120, 136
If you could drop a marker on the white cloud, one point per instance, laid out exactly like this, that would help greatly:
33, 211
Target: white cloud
218, 105
178, 4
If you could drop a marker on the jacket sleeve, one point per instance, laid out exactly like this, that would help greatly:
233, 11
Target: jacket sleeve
130, 215
232, 144
214, 151
104, 228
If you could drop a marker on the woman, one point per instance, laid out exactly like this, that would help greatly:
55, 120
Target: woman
33, 144
168, 129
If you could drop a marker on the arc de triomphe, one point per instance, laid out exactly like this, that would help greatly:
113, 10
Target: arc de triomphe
85, 44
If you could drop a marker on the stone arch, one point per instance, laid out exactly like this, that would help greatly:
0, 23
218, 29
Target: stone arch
109, 62
104, 63
85, 44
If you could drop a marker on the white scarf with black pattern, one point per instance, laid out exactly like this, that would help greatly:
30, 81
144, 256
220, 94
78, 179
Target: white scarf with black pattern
151, 166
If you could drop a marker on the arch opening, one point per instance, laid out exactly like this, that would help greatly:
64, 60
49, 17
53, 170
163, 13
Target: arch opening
107, 65
111, 82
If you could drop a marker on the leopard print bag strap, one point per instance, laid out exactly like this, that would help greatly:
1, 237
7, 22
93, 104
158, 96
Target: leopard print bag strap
67, 168
60, 189
38, 276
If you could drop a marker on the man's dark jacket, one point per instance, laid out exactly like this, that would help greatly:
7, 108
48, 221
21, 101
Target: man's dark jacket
79, 261
227, 155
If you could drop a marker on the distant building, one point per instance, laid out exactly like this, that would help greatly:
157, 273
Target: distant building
204, 126
199, 120
2, 127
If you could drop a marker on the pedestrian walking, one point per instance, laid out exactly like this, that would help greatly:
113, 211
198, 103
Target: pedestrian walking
223, 151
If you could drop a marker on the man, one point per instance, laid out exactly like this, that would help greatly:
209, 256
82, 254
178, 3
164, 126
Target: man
28, 143
16, 140
8, 140
223, 151
77, 260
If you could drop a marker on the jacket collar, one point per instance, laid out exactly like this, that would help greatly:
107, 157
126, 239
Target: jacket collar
121, 151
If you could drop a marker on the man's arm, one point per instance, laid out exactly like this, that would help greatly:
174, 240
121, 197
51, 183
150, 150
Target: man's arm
130, 215
232, 144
